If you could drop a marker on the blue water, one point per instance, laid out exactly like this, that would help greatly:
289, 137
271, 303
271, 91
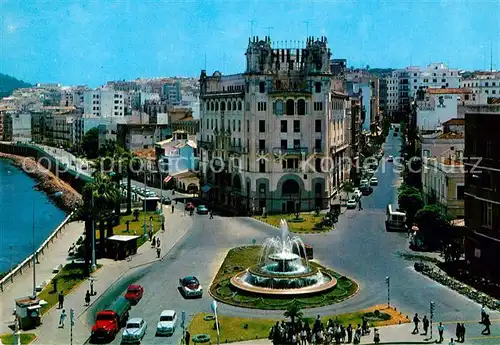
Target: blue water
17, 198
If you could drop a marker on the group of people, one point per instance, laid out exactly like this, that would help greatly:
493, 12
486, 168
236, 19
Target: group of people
301, 333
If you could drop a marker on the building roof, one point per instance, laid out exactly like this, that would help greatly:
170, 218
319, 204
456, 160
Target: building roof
145, 153
448, 91
451, 136
455, 122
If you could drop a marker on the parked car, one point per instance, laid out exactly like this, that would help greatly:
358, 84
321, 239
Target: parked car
84, 167
190, 287
366, 190
351, 204
390, 159
363, 182
395, 134
189, 206
373, 181
134, 293
166, 200
202, 209
108, 322
134, 331
167, 323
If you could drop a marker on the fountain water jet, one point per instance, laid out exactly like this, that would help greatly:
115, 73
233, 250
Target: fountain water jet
281, 270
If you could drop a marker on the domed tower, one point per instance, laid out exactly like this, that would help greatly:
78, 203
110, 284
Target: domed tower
259, 55
318, 56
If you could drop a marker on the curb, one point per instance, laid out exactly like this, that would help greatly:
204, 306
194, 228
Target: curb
320, 232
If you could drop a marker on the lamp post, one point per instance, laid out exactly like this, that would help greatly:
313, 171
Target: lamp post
432, 306
34, 253
388, 281
92, 262
145, 215
161, 185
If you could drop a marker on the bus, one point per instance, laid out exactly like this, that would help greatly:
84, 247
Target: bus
395, 220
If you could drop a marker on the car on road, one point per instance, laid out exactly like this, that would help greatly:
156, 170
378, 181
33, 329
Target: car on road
134, 331
167, 323
134, 293
373, 181
190, 287
363, 182
370, 172
390, 158
366, 190
84, 167
189, 206
202, 209
166, 200
351, 204
395, 134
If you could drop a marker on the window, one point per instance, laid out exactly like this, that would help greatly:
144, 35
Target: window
318, 106
460, 192
290, 107
296, 143
248, 106
317, 164
262, 87
262, 145
284, 126
317, 87
284, 144
262, 126
234, 125
216, 106
486, 84
486, 217
278, 107
301, 107
434, 80
262, 188
427, 153
443, 80
296, 126
262, 166
239, 125
248, 126
239, 105
317, 145
261, 106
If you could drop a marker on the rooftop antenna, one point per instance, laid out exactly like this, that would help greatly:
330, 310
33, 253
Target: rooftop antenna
205, 61
491, 56
269, 28
307, 27
252, 22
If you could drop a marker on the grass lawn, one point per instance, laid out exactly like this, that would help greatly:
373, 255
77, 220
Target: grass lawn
233, 328
8, 339
307, 226
136, 228
69, 277
239, 258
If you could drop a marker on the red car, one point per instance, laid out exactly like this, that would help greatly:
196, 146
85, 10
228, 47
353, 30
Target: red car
189, 206
134, 293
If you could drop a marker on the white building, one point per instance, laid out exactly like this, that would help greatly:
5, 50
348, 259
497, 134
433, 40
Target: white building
17, 127
264, 134
484, 85
104, 103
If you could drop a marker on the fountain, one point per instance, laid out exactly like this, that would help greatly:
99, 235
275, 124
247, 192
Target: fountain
281, 270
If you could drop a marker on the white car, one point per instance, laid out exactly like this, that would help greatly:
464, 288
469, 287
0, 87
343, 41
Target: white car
373, 181
190, 287
363, 182
167, 323
357, 193
351, 204
390, 158
134, 330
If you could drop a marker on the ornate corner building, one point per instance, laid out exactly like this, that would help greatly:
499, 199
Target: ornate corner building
275, 136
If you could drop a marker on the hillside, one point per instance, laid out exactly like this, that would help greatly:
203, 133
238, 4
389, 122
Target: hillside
9, 84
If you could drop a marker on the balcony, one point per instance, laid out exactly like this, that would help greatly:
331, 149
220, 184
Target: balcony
262, 151
290, 151
207, 145
237, 149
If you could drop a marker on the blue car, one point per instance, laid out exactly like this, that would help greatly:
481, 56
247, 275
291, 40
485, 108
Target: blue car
202, 209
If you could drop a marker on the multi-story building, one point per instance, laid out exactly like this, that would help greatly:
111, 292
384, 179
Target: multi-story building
139, 99
53, 125
156, 110
383, 96
172, 92
482, 197
484, 85
4, 109
264, 134
141, 136
17, 127
366, 88
104, 103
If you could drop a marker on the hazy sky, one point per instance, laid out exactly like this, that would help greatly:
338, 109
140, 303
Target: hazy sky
92, 41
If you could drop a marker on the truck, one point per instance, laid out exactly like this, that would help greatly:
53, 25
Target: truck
395, 220
109, 321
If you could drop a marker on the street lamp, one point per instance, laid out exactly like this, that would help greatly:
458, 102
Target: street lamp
144, 198
92, 263
388, 281
432, 306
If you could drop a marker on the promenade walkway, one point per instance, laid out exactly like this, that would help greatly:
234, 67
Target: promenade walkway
176, 227
56, 254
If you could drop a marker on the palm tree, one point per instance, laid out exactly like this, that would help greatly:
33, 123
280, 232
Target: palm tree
293, 311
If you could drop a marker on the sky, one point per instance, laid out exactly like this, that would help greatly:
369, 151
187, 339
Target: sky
90, 42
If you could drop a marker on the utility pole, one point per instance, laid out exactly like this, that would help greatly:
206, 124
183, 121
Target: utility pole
388, 281
92, 264
34, 253
252, 22
72, 323
307, 27
144, 198
491, 56
432, 307
269, 28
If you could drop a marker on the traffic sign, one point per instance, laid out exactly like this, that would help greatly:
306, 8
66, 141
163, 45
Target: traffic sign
183, 317
72, 316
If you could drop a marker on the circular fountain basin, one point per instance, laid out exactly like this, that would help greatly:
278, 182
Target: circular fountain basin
239, 282
284, 257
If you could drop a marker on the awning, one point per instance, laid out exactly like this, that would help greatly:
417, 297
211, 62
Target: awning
206, 188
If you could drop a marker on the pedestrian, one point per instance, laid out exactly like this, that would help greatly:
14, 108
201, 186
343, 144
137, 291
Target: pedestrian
211, 215
451, 342
87, 298
376, 336
349, 333
486, 323
150, 235
187, 337
61, 300
360, 207
441, 331
163, 227
416, 321
173, 206
425, 324
153, 242
158, 252
62, 319
483, 313
158, 243
462, 333
458, 332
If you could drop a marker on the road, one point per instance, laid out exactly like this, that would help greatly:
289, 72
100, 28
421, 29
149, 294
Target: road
359, 247
68, 158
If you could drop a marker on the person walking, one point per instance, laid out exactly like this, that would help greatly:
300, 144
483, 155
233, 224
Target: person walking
376, 336
173, 206
87, 298
487, 324
62, 319
349, 333
187, 337
61, 300
211, 215
425, 324
462, 333
458, 332
483, 313
158, 243
158, 252
441, 332
416, 321
360, 207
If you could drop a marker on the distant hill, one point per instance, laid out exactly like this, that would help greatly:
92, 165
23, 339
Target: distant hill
9, 84
381, 72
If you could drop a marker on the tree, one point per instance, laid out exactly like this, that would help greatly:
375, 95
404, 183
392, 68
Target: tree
90, 143
348, 188
433, 225
294, 312
410, 200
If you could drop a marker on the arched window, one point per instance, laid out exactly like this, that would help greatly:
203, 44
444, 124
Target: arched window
212, 106
290, 107
278, 107
216, 106
290, 187
222, 106
317, 188
239, 105
234, 105
208, 106
301, 107
229, 106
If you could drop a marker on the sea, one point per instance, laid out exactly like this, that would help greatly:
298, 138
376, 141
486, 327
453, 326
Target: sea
21, 206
